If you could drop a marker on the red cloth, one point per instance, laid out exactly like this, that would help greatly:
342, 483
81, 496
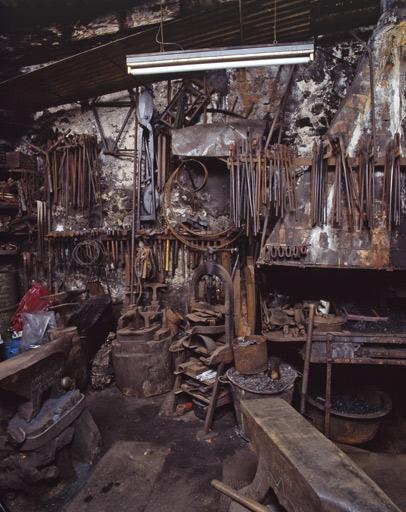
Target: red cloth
29, 303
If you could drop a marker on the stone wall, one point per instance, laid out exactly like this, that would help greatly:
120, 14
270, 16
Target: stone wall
317, 91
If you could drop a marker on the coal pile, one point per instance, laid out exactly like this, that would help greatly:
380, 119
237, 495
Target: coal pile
247, 341
262, 382
350, 404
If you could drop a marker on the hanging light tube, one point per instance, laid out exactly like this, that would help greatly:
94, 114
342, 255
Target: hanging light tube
220, 58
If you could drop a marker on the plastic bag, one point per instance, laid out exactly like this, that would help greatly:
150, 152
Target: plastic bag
35, 326
29, 303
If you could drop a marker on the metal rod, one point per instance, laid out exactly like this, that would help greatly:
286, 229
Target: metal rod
264, 229
372, 87
306, 369
100, 127
280, 107
120, 132
249, 503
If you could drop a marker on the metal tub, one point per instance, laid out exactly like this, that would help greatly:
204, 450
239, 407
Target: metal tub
352, 428
239, 393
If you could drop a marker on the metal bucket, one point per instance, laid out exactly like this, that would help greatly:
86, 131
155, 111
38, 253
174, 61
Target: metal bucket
239, 393
250, 354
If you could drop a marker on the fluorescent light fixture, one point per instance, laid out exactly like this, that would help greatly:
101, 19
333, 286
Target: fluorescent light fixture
220, 58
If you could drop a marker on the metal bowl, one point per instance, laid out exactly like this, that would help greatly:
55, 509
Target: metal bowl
352, 428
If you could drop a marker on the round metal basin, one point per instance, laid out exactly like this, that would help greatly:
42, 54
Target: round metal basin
242, 391
352, 427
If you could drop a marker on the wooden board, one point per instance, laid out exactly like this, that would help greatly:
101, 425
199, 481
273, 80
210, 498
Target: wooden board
26, 360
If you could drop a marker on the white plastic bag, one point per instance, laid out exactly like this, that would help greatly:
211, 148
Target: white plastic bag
35, 326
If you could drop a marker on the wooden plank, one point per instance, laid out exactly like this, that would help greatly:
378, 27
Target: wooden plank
304, 161
26, 360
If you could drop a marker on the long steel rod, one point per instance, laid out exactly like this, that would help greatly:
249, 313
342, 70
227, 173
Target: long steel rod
281, 106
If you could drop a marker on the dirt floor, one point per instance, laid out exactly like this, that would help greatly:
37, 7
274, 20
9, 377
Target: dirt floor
183, 484
150, 462
179, 466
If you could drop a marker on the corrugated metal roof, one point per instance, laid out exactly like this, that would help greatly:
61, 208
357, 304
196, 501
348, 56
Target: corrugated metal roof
103, 70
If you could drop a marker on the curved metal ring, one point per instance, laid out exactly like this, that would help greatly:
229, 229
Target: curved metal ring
205, 174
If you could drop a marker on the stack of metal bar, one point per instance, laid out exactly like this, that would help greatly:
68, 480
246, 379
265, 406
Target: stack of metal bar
261, 182
72, 172
392, 182
318, 186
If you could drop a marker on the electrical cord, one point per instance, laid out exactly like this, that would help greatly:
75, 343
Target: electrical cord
88, 253
161, 42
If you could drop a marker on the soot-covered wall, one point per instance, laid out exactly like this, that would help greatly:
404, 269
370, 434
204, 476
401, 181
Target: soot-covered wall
317, 91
